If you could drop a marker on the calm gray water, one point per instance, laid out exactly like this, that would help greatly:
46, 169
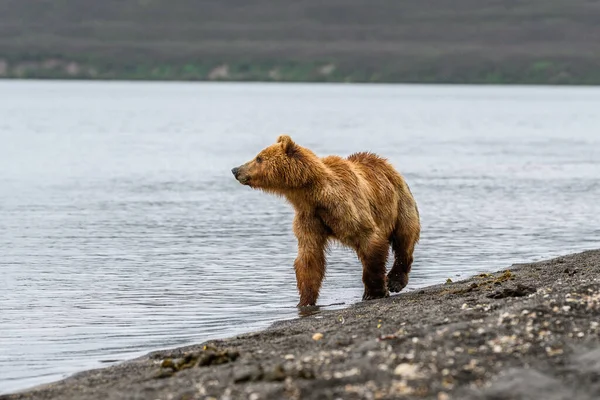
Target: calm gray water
122, 229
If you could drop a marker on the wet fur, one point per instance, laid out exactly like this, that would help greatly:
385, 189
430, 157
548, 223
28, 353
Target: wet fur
360, 201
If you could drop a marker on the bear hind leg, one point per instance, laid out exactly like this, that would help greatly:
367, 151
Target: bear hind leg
373, 257
403, 244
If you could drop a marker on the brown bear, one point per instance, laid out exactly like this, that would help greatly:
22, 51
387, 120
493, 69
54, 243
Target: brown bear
361, 201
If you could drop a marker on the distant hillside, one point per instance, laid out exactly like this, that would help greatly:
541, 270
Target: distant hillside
491, 41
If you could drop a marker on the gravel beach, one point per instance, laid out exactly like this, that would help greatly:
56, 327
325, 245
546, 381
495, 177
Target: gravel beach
531, 331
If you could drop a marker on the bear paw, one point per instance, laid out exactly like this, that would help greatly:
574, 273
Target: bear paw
397, 283
372, 295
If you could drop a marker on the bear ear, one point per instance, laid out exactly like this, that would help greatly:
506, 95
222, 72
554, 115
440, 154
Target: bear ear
287, 143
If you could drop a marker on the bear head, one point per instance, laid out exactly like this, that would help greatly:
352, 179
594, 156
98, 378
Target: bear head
278, 168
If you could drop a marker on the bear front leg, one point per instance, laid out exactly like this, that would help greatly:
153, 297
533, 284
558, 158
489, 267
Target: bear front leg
310, 262
310, 271
373, 256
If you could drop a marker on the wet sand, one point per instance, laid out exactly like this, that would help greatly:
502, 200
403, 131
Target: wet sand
531, 331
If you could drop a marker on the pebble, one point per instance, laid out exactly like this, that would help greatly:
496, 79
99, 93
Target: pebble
407, 371
443, 396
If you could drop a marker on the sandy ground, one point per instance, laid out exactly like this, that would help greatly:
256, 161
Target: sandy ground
529, 332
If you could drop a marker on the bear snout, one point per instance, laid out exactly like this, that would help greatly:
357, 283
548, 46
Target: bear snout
240, 175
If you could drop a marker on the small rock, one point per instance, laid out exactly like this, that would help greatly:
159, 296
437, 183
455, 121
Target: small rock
248, 374
306, 373
317, 336
553, 352
346, 374
277, 374
407, 371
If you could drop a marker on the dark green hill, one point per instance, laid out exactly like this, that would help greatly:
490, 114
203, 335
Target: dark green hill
510, 41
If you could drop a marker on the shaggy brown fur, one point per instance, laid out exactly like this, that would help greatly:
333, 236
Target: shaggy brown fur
360, 201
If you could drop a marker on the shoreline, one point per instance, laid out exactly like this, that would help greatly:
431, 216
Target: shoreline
529, 331
440, 82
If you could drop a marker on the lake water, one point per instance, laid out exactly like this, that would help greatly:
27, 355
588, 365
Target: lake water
122, 229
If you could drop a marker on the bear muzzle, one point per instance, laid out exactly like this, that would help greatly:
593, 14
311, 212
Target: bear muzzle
243, 179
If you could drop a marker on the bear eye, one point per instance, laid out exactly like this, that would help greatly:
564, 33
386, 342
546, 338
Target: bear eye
259, 159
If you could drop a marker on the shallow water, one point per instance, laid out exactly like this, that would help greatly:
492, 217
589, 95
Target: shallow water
122, 229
